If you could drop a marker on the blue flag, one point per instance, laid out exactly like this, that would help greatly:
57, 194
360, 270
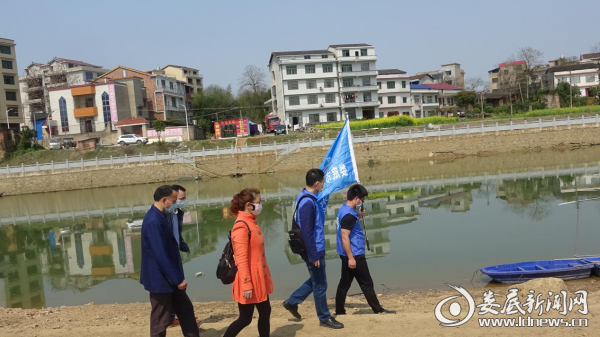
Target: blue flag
339, 166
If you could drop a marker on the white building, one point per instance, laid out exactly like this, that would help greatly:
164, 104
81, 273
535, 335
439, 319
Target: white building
394, 92
424, 101
317, 86
584, 76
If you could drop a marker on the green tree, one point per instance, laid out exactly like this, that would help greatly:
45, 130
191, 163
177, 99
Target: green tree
209, 102
159, 126
465, 99
27, 137
565, 91
253, 104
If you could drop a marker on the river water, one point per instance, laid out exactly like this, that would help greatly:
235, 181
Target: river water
428, 224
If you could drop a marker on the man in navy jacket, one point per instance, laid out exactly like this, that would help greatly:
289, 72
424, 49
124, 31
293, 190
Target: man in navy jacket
162, 270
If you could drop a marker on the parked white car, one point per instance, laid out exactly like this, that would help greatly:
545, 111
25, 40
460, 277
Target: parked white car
131, 139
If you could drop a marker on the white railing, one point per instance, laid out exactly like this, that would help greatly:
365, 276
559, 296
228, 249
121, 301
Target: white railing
286, 148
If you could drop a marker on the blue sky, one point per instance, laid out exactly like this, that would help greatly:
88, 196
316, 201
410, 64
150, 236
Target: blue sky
221, 37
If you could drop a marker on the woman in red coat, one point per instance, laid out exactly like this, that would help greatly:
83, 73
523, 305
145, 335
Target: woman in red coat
253, 282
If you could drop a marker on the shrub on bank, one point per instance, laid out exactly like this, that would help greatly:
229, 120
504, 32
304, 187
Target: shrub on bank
390, 122
551, 112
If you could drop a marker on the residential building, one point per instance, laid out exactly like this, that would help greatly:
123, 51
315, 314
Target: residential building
319, 86
450, 73
11, 114
592, 57
421, 79
40, 77
424, 101
165, 96
394, 92
507, 74
92, 109
583, 75
190, 76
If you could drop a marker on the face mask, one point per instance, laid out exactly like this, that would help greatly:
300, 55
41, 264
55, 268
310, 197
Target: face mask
169, 209
358, 206
179, 203
257, 209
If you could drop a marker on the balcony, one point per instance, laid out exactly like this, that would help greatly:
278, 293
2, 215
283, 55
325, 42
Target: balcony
360, 104
357, 58
431, 105
358, 73
86, 90
85, 112
371, 87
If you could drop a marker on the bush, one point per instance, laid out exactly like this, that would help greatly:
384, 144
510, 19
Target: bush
389, 122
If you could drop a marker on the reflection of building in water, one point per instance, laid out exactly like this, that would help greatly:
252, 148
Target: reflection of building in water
584, 183
21, 283
457, 199
384, 209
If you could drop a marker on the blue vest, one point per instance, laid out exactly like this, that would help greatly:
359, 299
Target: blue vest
357, 237
319, 233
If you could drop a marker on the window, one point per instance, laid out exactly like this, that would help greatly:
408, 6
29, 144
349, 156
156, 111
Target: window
11, 95
312, 99
429, 99
198, 82
89, 102
174, 102
309, 69
367, 97
391, 99
324, 56
190, 81
363, 52
6, 64
106, 107
171, 85
506, 72
327, 68
89, 75
403, 84
5, 50
391, 84
292, 85
417, 99
13, 111
495, 80
330, 98
291, 70
379, 85
346, 68
164, 84
575, 79
9, 79
331, 117
273, 74
329, 83
364, 67
311, 84
294, 100
380, 100
348, 82
412, 208
313, 118
64, 118
195, 73
345, 52
307, 57
351, 114
448, 72
380, 116
366, 81
32, 270
404, 99
124, 73
450, 100
400, 210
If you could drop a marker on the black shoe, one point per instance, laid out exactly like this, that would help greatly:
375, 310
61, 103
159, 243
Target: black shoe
333, 324
390, 312
293, 309
340, 314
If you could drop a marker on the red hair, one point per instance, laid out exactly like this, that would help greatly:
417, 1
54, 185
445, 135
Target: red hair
239, 201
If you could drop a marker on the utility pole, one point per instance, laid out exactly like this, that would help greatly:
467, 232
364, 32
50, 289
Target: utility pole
571, 87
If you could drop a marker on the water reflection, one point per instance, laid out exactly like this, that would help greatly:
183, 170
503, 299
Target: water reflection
77, 246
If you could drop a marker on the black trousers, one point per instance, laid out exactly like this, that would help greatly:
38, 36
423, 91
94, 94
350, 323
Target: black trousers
161, 313
363, 276
246, 312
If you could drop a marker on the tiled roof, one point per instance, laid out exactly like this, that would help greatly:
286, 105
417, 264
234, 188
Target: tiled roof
390, 71
132, 121
443, 86
590, 56
174, 66
122, 67
504, 64
418, 77
350, 45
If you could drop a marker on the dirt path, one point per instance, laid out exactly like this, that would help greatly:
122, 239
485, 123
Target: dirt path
415, 318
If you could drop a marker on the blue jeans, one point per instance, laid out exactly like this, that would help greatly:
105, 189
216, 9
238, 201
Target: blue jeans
316, 284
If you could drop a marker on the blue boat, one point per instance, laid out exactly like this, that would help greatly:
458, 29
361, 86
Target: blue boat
567, 269
596, 261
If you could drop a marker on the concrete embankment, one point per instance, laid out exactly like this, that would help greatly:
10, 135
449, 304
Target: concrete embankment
423, 151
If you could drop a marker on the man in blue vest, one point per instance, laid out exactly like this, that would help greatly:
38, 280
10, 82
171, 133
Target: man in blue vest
162, 270
351, 248
309, 219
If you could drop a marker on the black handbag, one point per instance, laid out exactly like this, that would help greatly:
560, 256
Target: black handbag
226, 269
295, 234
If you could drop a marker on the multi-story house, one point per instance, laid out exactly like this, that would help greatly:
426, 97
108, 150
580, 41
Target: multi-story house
96, 107
507, 75
40, 77
166, 96
584, 76
424, 100
11, 114
190, 76
450, 73
394, 92
319, 86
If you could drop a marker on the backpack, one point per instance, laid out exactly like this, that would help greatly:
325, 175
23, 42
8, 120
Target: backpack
295, 234
226, 269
